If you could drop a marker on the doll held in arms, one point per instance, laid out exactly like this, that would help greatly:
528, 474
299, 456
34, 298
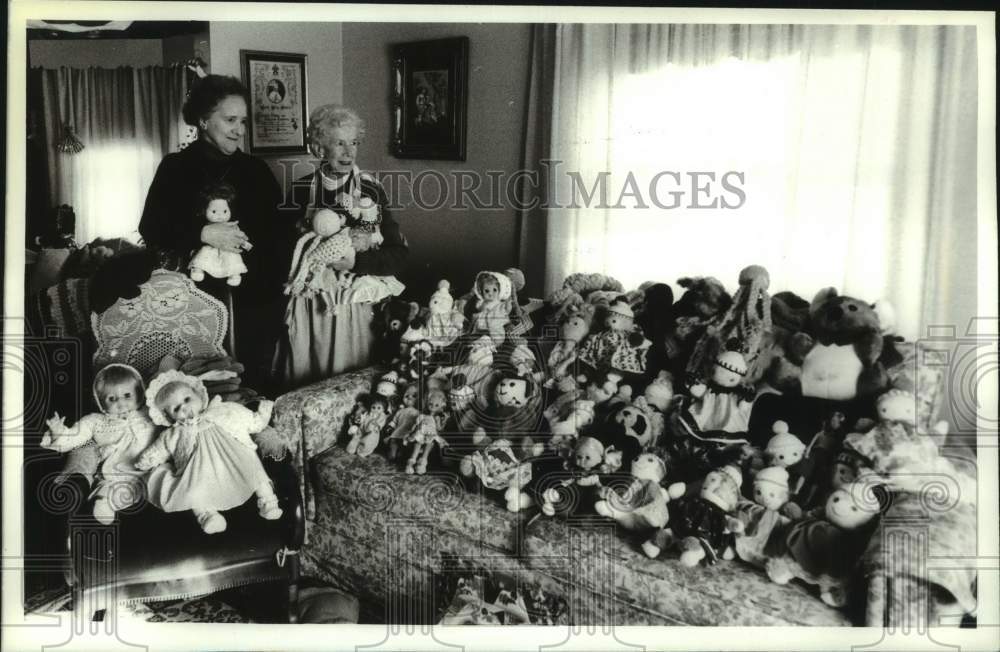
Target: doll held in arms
327, 243
215, 204
214, 464
122, 430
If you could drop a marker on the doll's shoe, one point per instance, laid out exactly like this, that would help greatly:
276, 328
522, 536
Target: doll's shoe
197, 275
268, 508
352, 446
692, 557
234, 280
651, 549
368, 445
211, 522
103, 511
728, 554
421, 467
409, 468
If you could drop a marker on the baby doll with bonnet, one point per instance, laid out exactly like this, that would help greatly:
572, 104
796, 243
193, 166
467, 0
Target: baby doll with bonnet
215, 202
122, 430
493, 305
328, 242
213, 461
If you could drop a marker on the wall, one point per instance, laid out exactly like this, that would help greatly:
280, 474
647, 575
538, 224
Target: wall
453, 242
320, 42
99, 53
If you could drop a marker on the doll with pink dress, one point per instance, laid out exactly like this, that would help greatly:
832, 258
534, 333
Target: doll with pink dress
205, 461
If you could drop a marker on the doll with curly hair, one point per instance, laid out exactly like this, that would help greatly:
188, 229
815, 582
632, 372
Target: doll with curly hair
215, 207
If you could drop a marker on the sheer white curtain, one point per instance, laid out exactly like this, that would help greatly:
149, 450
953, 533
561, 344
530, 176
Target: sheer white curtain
127, 120
853, 149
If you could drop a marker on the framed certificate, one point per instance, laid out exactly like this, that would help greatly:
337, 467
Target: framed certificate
278, 108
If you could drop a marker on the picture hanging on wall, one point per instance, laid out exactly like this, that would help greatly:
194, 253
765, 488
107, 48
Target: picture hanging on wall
278, 110
430, 98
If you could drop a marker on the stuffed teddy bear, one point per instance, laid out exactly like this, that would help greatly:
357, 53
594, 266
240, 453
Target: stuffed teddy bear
823, 549
840, 353
724, 403
215, 207
121, 431
426, 431
214, 461
365, 436
643, 504
393, 318
702, 526
328, 242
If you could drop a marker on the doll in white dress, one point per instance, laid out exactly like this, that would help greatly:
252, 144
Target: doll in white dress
121, 431
216, 202
213, 461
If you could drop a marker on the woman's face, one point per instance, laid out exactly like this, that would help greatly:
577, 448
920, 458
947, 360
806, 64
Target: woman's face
341, 149
224, 126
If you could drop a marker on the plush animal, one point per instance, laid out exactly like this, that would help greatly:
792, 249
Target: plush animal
841, 350
824, 549
643, 504
121, 431
745, 327
393, 319
724, 403
215, 207
702, 526
215, 466
327, 243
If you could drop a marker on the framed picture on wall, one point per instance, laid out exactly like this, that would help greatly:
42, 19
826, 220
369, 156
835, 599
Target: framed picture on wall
279, 109
430, 95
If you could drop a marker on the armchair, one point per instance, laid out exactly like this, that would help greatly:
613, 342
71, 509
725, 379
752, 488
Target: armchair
147, 554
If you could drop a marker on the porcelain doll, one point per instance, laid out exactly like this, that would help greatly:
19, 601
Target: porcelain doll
426, 431
723, 404
493, 305
328, 242
216, 204
402, 421
702, 526
213, 461
122, 430
365, 438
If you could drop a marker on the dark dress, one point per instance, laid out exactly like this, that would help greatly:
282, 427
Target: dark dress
171, 225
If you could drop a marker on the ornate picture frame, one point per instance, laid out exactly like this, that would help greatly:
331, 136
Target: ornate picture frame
430, 99
278, 112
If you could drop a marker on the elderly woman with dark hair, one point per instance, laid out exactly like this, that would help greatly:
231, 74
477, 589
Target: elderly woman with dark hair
331, 331
172, 225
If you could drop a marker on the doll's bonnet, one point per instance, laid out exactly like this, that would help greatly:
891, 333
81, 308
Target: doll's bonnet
99, 377
161, 381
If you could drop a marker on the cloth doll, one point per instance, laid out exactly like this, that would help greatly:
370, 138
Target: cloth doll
402, 421
493, 305
643, 504
314, 252
583, 469
213, 461
786, 450
818, 460
443, 324
770, 509
121, 431
365, 437
572, 330
621, 347
215, 202
565, 428
747, 322
658, 397
723, 404
426, 431
824, 548
702, 526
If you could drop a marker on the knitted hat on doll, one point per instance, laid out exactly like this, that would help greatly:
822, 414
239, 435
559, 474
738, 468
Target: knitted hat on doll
732, 361
783, 440
621, 308
111, 369
734, 474
774, 475
162, 380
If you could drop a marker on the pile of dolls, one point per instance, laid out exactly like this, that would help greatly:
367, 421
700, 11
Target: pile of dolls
713, 425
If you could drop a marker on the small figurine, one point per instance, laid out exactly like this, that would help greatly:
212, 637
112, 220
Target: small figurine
215, 464
215, 202
702, 526
426, 431
122, 430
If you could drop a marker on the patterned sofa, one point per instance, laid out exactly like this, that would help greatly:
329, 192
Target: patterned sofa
392, 539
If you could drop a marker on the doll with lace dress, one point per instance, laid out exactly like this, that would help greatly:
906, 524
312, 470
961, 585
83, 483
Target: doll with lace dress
215, 209
213, 464
328, 242
121, 431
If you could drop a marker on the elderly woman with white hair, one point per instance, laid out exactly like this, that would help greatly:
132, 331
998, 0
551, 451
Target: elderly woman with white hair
329, 317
